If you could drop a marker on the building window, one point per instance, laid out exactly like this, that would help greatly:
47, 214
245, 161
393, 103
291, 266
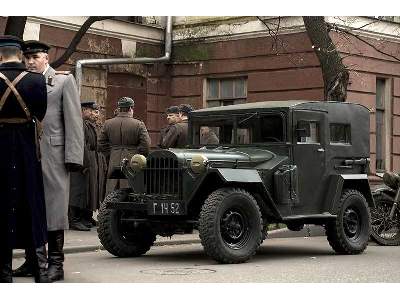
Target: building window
226, 91
380, 124
136, 19
340, 134
383, 127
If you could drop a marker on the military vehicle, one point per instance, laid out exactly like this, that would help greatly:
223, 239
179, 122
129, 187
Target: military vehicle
290, 162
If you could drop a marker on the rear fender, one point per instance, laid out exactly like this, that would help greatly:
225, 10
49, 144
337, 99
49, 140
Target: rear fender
346, 181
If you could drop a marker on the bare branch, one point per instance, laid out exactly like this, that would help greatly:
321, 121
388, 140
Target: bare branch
15, 26
367, 43
75, 41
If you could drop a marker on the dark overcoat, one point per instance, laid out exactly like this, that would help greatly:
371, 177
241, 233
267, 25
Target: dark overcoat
84, 191
22, 203
122, 137
176, 136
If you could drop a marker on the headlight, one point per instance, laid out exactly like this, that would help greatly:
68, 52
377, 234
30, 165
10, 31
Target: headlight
138, 162
199, 163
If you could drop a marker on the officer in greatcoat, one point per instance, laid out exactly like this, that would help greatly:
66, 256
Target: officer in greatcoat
23, 102
177, 135
122, 137
84, 190
172, 114
62, 151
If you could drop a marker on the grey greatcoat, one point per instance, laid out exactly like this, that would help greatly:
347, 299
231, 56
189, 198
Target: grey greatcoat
62, 142
122, 137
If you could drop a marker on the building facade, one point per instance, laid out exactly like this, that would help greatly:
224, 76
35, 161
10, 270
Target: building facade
228, 60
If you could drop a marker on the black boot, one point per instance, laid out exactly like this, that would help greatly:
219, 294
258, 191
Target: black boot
40, 269
86, 217
26, 269
56, 255
5, 266
75, 219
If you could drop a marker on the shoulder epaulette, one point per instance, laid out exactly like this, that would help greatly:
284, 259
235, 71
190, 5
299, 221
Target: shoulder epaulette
63, 72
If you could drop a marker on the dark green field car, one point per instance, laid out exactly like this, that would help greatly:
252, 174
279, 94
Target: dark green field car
249, 165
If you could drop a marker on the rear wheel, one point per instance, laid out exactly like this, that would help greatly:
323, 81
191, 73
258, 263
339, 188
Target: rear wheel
384, 230
118, 237
349, 232
230, 225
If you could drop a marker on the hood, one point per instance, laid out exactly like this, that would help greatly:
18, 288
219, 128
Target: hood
222, 155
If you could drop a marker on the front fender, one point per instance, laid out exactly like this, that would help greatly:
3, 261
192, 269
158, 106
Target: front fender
239, 175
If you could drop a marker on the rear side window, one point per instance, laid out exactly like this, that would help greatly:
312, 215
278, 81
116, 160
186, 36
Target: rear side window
340, 133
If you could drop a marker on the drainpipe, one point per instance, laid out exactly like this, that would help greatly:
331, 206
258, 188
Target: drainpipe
127, 60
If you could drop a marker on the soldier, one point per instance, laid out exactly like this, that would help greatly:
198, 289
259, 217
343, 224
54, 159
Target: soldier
22, 210
172, 118
208, 136
177, 134
122, 137
84, 198
62, 152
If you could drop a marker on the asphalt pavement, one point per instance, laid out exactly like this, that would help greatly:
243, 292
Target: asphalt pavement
85, 241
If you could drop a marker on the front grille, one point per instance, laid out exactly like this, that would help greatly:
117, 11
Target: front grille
163, 177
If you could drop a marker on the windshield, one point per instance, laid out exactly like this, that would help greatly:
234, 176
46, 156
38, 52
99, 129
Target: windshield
239, 130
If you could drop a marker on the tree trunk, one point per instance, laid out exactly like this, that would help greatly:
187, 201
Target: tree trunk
334, 72
15, 26
75, 41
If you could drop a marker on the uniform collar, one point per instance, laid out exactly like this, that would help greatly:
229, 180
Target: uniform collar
45, 70
124, 114
12, 65
50, 72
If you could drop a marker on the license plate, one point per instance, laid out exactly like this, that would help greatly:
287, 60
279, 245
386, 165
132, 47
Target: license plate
160, 208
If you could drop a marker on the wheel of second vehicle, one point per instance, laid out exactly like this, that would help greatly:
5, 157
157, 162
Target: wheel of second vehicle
118, 237
349, 232
230, 225
384, 230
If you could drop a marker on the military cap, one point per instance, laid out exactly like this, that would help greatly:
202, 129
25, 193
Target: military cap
11, 41
32, 46
126, 102
89, 104
185, 108
172, 110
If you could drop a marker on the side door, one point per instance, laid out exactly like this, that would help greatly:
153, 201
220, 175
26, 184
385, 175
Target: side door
309, 155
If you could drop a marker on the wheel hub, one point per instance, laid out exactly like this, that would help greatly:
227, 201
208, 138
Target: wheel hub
234, 228
351, 223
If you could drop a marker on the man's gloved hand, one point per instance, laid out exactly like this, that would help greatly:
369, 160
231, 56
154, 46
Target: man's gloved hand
71, 167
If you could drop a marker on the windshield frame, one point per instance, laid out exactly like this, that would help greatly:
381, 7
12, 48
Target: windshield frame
197, 121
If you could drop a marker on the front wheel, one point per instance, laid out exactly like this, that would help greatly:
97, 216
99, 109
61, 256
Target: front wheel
118, 237
230, 225
385, 231
349, 232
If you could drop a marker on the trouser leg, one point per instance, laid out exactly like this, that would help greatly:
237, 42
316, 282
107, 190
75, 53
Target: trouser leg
6, 265
56, 255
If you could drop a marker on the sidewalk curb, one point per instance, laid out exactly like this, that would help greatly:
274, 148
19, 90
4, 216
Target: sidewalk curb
89, 248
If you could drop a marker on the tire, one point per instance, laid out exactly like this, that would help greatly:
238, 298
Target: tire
349, 232
118, 239
384, 231
230, 225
